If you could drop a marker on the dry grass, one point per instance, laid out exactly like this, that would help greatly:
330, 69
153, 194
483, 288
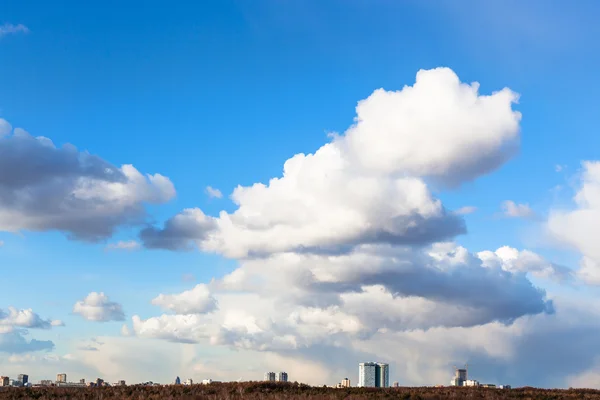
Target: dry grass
287, 391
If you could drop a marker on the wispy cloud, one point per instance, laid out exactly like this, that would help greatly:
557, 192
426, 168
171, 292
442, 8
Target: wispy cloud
123, 245
213, 193
466, 210
8, 29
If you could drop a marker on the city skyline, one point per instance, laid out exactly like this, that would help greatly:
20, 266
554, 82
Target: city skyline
222, 189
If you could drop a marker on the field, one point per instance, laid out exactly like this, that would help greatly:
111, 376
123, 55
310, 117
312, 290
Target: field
265, 391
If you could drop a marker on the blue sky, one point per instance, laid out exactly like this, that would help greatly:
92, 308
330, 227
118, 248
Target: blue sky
222, 93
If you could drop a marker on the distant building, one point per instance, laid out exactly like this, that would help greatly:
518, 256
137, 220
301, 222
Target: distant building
504, 386
120, 383
489, 385
281, 377
460, 377
188, 382
382, 375
269, 376
366, 374
372, 374
16, 383
4, 381
61, 378
395, 384
207, 381
345, 383
46, 382
82, 381
471, 382
177, 381
24, 379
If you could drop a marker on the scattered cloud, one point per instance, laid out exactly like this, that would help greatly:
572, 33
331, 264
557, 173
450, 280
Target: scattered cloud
130, 245
514, 210
98, 307
44, 188
10, 29
213, 193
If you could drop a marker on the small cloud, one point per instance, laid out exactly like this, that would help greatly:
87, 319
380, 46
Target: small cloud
559, 168
213, 193
466, 210
8, 29
1, 243
98, 307
188, 278
130, 245
125, 330
514, 210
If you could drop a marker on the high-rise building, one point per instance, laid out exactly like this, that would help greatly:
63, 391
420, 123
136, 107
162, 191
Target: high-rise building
345, 383
61, 378
270, 376
281, 377
372, 374
24, 379
366, 374
382, 375
460, 377
4, 381
177, 381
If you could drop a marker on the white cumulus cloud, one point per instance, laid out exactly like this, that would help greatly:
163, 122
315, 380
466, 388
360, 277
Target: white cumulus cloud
44, 187
98, 307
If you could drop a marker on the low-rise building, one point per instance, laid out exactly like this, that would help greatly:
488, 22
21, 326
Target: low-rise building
4, 381
188, 382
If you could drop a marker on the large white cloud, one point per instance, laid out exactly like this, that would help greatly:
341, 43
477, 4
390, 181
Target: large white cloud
350, 247
44, 187
98, 307
367, 185
578, 228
